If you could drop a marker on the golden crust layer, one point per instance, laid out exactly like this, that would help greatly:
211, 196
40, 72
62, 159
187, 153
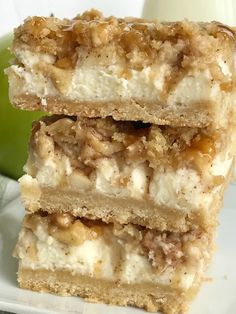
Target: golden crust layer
148, 296
96, 206
198, 115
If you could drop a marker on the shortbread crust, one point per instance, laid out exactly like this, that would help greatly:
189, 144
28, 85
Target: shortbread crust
150, 297
96, 206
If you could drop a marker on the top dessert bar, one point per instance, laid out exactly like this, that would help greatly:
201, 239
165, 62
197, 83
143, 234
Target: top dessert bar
178, 74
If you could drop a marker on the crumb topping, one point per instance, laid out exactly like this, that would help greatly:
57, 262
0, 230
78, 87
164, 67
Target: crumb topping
86, 141
139, 43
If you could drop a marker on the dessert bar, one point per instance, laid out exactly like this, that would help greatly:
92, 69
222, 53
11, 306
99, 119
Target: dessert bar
112, 263
128, 172
178, 74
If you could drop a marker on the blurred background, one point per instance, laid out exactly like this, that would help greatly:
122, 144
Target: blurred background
15, 124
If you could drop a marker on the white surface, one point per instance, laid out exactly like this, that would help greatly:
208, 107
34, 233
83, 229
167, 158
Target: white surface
13, 12
216, 297
196, 10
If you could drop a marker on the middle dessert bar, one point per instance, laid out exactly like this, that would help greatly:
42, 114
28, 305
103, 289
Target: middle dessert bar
128, 172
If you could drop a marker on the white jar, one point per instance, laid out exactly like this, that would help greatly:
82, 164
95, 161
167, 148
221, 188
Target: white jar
196, 10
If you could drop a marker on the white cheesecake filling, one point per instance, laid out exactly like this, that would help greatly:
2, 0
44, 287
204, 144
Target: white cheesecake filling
184, 189
101, 259
89, 82
108, 177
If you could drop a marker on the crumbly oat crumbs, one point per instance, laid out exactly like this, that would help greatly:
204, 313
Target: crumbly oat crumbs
85, 141
183, 45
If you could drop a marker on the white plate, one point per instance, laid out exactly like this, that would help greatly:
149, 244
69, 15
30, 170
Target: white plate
217, 296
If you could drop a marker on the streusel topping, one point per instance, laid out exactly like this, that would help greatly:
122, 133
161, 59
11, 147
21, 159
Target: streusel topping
139, 43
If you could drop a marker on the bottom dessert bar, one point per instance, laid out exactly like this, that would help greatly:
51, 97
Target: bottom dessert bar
112, 263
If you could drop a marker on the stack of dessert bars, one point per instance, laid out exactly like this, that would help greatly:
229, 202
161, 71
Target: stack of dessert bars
125, 179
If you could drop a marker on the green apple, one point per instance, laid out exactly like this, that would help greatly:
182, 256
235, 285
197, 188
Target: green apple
15, 124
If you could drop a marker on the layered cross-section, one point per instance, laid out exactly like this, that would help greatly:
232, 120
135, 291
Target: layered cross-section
128, 172
112, 263
180, 73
